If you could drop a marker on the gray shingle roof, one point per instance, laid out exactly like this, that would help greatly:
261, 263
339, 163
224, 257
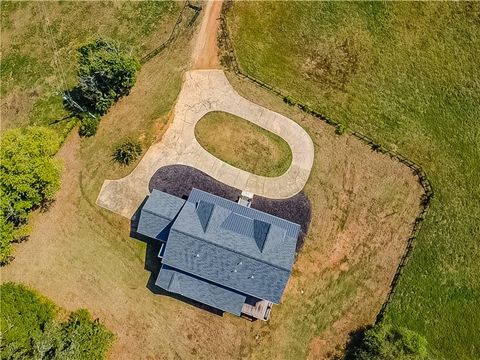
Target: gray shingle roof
232, 228
222, 266
200, 290
219, 251
292, 229
158, 212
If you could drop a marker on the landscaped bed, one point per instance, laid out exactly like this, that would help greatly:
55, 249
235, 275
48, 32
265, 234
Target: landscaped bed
243, 144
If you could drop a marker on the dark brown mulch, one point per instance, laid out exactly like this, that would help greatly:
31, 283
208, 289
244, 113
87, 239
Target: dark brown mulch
295, 209
179, 180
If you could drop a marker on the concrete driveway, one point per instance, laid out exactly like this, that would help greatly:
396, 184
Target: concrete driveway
204, 91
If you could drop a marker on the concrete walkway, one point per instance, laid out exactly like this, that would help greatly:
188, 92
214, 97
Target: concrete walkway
204, 91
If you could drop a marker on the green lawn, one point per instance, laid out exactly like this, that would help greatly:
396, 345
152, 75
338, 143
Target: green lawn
406, 74
243, 144
33, 81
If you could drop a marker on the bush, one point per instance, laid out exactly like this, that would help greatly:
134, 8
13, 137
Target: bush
127, 152
340, 129
30, 329
106, 73
386, 342
29, 178
88, 127
289, 100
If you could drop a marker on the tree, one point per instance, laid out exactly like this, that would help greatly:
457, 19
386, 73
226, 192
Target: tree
6, 238
29, 178
127, 152
31, 330
106, 73
84, 338
387, 342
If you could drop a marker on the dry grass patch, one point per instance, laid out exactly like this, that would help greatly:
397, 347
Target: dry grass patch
243, 144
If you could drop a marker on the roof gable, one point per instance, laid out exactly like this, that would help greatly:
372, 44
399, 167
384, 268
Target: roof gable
204, 212
260, 232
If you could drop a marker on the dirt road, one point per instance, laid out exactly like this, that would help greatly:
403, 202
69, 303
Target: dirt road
205, 53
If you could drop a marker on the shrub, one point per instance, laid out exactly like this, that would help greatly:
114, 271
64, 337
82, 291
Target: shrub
106, 73
386, 342
127, 152
289, 100
30, 329
88, 127
340, 129
29, 178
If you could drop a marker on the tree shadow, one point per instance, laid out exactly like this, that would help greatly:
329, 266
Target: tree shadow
153, 264
75, 102
354, 342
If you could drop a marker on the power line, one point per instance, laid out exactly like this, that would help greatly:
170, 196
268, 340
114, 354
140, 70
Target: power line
62, 88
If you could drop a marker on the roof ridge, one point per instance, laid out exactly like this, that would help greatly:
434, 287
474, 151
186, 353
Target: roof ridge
234, 251
157, 214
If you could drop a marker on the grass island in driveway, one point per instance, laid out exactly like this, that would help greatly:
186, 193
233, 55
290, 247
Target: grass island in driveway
243, 144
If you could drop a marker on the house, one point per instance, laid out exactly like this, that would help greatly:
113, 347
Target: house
220, 253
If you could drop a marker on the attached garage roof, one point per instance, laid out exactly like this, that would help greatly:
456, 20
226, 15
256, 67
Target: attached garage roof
158, 213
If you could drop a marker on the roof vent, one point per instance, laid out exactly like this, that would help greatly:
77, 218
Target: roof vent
204, 212
260, 232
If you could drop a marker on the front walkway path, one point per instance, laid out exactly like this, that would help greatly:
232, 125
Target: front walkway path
204, 91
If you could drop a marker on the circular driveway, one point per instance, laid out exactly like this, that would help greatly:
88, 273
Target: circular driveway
204, 91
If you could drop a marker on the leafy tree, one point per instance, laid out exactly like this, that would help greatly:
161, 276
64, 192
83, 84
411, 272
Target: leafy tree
84, 338
23, 317
6, 237
386, 342
127, 152
106, 73
29, 329
29, 178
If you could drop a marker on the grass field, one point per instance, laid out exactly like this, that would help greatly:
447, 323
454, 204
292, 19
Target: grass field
32, 81
243, 144
407, 75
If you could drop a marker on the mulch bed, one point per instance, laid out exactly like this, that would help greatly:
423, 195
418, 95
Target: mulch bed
179, 180
295, 209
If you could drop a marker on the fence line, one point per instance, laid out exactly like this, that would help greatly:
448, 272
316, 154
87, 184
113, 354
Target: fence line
229, 59
175, 30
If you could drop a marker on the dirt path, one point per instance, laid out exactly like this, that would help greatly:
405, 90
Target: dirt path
205, 53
